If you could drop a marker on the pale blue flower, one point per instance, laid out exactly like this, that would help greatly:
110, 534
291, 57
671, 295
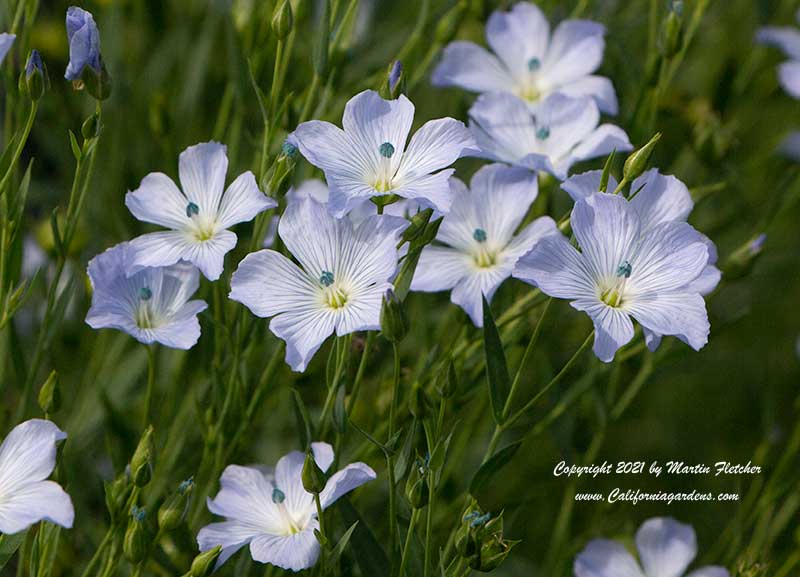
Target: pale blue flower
199, 217
27, 458
787, 39
624, 270
481, 246
151, 305
84, 43
6, 42
666, 548
369, 157
564, 130
659, 198
528, 62
273, 513
345, 269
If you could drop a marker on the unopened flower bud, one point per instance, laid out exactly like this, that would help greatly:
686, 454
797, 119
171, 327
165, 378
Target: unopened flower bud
98, 84
50, 395
430, 231
173, 510
394, 321
282, 19
143, 459
137, 538
417, 485
91, 126
36, 81
418, 223
117, 493
673, 34
276, 181
636, 163
741, 261
394, 82
203, 565
313, 477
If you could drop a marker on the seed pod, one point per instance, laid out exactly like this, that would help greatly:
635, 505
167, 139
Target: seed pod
313, 477
173, 510
143, 459
394, 321
137, 538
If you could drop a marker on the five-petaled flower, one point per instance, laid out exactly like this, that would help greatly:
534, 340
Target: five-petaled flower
346, 269
84, 43
666, 548
563, 130
529, 63
624, 269
151, 305
199, 216
273, 513
6, 42
479, 233
369, 157
27, 457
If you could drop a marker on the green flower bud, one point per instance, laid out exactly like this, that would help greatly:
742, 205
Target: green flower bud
282, 19
742, 260
493, 552
137, 538
91, 127
143, 459
203, 564
446, 379
173, 510
313, 477
394, 321
117, 493
636, 163
394, 83
673, 34
50, 395
417, 485
418, 223
34, 80
430, 232
276, 181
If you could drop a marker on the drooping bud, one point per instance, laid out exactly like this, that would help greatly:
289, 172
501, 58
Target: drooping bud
137, 538
446, 379
143, 459
173, 510
50, 395
636, 163
203, 565
673, 31
394, 321
282, 19
36, 81
417, 484
313, 477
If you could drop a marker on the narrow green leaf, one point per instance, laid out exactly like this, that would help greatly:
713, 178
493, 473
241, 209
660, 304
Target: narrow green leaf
303, 419
76, 148
342, 544
371, 557
9, 545
607, 171
404, 456
496, 462
59, 244
496, 365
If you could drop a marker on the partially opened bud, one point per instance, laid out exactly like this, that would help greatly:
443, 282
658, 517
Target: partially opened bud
36, 80
741, 261
394, 83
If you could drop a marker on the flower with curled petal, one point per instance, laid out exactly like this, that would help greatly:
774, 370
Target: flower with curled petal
273, 513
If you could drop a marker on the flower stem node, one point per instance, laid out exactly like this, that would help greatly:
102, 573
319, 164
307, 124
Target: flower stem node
637, 162
50, 395
143, 459
204, 564
313, 477
137, 538
394, 320
173, 511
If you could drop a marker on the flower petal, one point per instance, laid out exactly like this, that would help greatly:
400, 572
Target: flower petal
431, 190
183, 330
580, 186
159, 201
312, 235
706, 282
660, 198
289, 479
613, 328
202, 170
605, 558
518, 36
679, 313
6, 41
575, 51
666, 547
232, 535
473, 68
439, 269
470, 290
242, 201
304, 331
528, 237
344, 481
784, 37
291, 552
28, 454
710, 571
601, 142
502, 127
570, 121
436, 145
34, 502
245, 496
557, 269
599, 88
323, 455
789, 74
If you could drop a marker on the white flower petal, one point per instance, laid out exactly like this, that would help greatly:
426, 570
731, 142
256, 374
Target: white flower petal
183, 330
439, 269
202, 170
289, 479
706, 282
328, 148
601, 142
599, 88
473, 68
430, 190
679, 313
784, 37
580, 186
557, 269
500, 197
661, 198
528, 237
312, 235
291, 552
311, 188
569, 121
323, 455
344, 481
242, 201
245, 496
363, 309
6, 42
232, 535
518, 36
605, 558
34, 502
470, 290
304, 331
28, 454
502, 127
710, 571
613, 328
576, 50
666, 547
156, 249
789, 74
158, 201
436, 145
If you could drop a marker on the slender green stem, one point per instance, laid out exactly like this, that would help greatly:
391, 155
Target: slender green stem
98, 553
407, 547
395, 389
20, 145
390, 457
310, 96
429, 523
320, 516
152, 353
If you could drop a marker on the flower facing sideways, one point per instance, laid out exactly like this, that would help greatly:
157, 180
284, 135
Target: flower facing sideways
624, 270
479, 233
84, 43
657, 198
563, 130
369, 156
199, 217
152, 305
273, 513
27, 457
666, 548
345, 269
529, 63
